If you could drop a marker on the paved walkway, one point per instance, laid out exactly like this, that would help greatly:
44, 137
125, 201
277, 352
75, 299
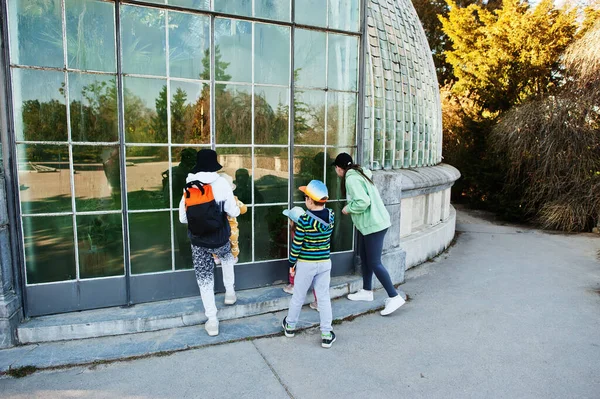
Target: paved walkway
508, 312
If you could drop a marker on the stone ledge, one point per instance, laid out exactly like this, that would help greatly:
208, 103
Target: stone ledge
161, 315
404, 183
103, 349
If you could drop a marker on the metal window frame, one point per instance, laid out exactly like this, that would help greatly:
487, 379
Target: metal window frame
10, 142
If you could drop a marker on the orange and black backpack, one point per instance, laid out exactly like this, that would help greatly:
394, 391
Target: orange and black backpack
205, 217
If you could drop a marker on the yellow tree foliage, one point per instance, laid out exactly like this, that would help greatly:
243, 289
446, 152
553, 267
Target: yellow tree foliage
504, 56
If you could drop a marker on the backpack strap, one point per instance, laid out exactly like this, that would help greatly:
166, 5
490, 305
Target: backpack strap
191, 184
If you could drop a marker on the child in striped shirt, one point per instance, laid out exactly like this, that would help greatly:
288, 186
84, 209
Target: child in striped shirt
310, 260
293, 215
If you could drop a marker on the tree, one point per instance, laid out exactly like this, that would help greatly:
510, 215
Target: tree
502, 57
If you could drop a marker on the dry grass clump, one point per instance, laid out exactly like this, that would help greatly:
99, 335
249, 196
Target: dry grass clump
552, 145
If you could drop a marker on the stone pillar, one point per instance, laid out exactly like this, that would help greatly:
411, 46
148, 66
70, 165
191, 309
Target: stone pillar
10, 305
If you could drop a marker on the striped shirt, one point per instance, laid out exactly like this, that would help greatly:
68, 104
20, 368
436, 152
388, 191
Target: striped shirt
312, 237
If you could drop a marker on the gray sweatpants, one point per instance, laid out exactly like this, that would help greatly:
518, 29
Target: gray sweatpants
319, 274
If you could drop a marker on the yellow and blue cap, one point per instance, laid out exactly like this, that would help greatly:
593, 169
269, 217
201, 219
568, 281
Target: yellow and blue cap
316, 190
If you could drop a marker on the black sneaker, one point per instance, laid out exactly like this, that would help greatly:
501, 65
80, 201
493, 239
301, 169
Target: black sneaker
289, 332
327, 340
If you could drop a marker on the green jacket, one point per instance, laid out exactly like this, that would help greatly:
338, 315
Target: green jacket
364, 203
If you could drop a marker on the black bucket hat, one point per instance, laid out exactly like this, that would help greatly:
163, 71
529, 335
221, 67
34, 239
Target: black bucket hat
206, 161
343, 160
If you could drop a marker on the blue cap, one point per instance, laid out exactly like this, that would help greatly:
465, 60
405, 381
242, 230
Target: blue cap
294, 213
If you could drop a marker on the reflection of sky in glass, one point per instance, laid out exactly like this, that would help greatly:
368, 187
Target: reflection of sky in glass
343, 62
234, 40
272, 9
311, 12
194, 4
309, 58
189, 41
237, 7
90, 35
192, 90
36, 33
144, 40
146, 89
344, 14
272, 54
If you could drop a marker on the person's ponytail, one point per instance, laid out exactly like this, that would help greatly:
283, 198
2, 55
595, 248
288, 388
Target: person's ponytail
357, 168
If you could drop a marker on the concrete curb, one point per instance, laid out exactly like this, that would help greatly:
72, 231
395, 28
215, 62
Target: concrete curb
53, 355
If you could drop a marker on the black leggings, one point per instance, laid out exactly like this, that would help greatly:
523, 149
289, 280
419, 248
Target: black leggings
370, 248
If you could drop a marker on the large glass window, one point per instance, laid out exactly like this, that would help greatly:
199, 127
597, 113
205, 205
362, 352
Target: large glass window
106, 138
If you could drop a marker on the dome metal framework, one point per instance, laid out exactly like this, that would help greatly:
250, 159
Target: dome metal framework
403, 116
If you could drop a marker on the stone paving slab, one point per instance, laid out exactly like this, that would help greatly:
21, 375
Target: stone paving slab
102, 349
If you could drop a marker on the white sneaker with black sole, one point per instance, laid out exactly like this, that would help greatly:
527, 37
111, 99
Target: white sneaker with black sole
392, 304
289, 332
327, 340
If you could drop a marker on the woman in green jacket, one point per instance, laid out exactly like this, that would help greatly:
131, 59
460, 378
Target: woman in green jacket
372, 221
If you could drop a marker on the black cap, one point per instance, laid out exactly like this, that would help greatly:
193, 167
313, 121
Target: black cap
206, 161
343, 160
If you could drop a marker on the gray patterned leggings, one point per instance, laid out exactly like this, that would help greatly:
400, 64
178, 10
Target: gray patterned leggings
204, 266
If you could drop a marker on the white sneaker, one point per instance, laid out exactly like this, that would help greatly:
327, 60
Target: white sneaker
212, 327
392, 304
230, 298
289, 289
361, 295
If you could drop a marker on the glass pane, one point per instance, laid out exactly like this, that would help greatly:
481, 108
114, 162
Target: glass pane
308, 165
271, 115
311, 12
344, 14
190, 112
91, 35
183, 160
237, 7
194, 4
309, 58
332, 180
93, 107
270, 233
49, 249
100, 245
40, 111
97, 178
237, 163
309, 117
233, 114
44, 182
145, 110
189, 46
233, 50
272, 54
341, 239
183, 249
144, 40
341, 119
271, 174
343, 62
146, 169
36, 32
272, 9
150, 242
